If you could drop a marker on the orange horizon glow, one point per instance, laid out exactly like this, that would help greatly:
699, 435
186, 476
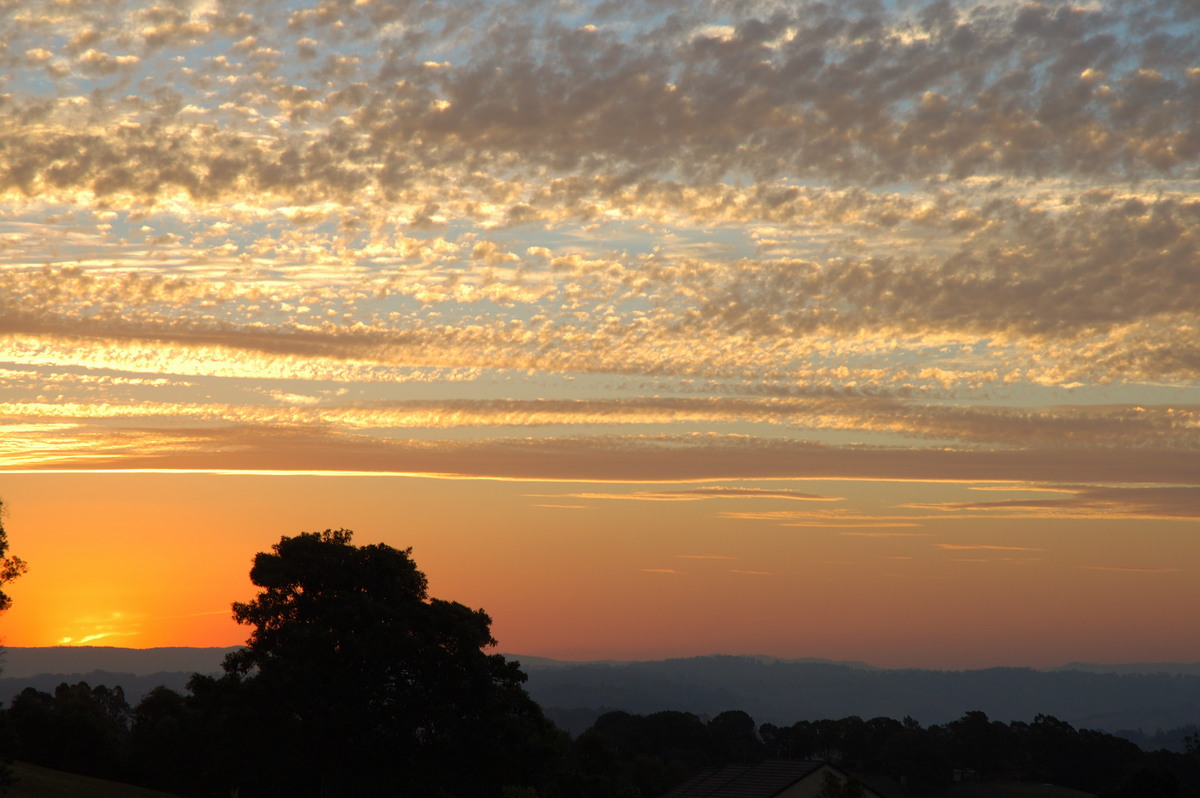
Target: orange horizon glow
590, 583
656, 329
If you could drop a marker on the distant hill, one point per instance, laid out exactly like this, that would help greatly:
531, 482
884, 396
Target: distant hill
1170, 668
18, 662
528, 662
785, 691
134, 685
1113, 698
136, 670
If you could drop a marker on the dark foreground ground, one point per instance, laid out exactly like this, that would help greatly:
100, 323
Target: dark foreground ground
38, 782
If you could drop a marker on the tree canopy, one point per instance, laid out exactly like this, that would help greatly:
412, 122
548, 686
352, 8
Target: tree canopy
10, 567
355, 681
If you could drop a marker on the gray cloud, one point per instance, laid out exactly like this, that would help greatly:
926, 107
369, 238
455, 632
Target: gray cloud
787, 93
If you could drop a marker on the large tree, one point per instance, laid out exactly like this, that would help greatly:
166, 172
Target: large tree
354, 681
10, 567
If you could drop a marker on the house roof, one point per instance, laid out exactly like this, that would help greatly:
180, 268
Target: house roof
746, 781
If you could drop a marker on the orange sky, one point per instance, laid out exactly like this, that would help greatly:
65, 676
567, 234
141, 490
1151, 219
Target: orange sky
586, 571
655, 328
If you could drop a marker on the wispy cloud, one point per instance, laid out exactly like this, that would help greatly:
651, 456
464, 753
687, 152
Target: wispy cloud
708, 492
1000, 560
859, 534
984, 547
1129, 569
292, 445
114, 625
1161, 502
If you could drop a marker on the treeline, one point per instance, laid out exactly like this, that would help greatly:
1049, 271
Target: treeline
225, 736
206, 742
1046, 750
180, 743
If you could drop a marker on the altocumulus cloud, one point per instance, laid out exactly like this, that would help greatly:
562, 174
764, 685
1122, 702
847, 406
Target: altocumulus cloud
667, 240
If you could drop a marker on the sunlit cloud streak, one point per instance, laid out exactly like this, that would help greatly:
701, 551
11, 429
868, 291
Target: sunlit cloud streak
984, 547
886, 534
1174, 502
657, 458
1129, 569
708, 492
1094, 502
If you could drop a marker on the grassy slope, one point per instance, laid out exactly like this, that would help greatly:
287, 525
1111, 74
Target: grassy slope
38, 782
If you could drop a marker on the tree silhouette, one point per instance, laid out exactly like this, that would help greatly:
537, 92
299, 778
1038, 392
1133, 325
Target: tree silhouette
164, 741
834, 787
10, 567
80, 729
733, 737
355, 682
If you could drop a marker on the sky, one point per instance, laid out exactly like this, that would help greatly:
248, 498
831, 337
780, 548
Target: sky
656, 328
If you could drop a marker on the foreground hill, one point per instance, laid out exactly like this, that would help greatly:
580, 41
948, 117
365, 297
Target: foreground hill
39, 782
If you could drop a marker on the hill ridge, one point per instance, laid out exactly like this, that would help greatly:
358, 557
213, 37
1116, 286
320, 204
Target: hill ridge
1120, 697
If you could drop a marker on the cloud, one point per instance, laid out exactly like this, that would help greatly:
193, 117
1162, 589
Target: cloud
709, 492
95, 62
1000, 560
1161, 502
100, 627
1129, 569
798, 91
298, 447
886, 534
983, 547
651, 242
717, 492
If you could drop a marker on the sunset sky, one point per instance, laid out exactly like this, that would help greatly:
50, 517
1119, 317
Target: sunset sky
656, 327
